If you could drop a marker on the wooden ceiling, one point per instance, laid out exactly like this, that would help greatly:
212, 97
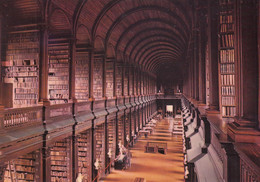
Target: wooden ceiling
152, 33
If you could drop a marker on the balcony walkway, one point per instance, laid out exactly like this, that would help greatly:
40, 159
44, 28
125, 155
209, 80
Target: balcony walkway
154, 167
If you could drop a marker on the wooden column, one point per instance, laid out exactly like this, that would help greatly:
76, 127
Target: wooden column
104, 78
247, 60
245, 125
213, 55
72, 70
91, 68
1, 58
202, 54
258, 66
43, 65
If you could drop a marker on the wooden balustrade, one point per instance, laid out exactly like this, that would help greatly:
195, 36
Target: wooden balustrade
61, 110
20, 117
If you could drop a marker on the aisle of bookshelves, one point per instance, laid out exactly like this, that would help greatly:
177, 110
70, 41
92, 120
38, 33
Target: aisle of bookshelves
126, 72
111, 129
100, 145
227, 59
25, 168
84, 154
119, 79
98, 77
121, 131
82, 76
60, 161
109, 78
58, 79
130, 81
127, 127
21, 69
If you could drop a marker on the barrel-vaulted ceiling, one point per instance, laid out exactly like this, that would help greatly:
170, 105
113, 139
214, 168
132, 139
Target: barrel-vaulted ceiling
152, 33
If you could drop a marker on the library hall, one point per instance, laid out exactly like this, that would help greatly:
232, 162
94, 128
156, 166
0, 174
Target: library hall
130, 91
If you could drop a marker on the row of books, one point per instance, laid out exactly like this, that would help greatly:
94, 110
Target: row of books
227, 28
24, 37
227, 56
226, 40
230, 90
227, 79
228, 111
59, 86
25, 96
59, 60
227, 68
12, 53
58, 82
228, 101
59, 77
226, 18
22, 45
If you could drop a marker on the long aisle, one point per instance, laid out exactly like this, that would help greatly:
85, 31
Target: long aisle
154, 167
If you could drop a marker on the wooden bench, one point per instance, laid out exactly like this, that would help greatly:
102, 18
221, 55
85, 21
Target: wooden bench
139, 180
144, 132
151, 147
162, 147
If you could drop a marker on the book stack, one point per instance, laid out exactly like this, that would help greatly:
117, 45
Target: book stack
84, 154
58, 79
126, 81
119, 79
82, 76
98, 78
111, 129
25, 168
109, 78
60, 161
227, 59
21, 67
100, 145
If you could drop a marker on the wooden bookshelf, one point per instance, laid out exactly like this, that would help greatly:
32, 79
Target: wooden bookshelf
227, 59
121, 131
119, 79
126, 72
100, 145
60, 161
82, 76
25, 168
84, 154
109, 78
111, 129
98, 77
58, 79
21, 67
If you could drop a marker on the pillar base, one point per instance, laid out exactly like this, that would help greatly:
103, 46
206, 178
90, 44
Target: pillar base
244, 131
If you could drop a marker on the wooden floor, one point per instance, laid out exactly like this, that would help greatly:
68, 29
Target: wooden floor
154, 167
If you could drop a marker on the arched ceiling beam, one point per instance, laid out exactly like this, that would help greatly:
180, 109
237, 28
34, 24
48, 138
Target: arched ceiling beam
183, 27
158, 53
152, 20
76, 14
111, 4
150, 48
152, 32
156, 66
158, 41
